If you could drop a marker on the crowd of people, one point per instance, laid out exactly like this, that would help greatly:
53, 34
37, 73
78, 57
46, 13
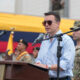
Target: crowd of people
46, 56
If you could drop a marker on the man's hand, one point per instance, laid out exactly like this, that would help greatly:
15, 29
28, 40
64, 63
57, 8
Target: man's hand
53, 67
41, 65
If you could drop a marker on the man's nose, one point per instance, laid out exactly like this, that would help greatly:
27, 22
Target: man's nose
46, 25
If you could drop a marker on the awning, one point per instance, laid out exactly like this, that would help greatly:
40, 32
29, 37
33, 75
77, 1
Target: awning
21, 23
66, 24
29, 23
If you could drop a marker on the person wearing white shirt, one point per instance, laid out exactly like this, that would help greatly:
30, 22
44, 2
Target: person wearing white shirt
47, 56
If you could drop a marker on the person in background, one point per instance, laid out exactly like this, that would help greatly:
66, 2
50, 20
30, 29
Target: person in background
20, 53
76, 37
35, 52
47, 56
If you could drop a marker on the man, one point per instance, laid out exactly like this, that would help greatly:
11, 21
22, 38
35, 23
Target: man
76, 37
47, 56
21, 54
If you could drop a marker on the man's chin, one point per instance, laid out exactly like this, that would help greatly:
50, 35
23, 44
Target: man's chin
48, 31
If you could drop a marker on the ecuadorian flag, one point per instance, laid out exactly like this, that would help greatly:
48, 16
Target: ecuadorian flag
10, 43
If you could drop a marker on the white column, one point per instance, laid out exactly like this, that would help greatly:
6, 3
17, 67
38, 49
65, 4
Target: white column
35, 7
74, 11
19, 6
7, 6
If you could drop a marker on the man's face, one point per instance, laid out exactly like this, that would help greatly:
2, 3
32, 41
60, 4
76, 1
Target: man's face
50, 24
76, 35
21, 46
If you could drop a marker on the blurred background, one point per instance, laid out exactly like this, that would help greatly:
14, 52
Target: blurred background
66, 8
26, 17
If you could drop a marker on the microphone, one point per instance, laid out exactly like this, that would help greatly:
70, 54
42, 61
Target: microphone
38, 39
2, 33
76, 29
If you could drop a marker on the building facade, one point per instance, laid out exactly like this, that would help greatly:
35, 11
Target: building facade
38, 7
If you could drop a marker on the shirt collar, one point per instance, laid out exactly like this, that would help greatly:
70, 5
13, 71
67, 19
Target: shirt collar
58, 32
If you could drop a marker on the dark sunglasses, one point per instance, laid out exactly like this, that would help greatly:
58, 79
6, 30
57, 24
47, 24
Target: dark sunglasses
49, 22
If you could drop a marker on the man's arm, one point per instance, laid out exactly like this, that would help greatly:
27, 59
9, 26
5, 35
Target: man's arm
51, 67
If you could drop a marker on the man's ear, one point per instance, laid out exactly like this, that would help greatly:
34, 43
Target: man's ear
58, 23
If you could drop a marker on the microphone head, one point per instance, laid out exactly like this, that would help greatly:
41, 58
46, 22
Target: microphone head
38, 39
75, 29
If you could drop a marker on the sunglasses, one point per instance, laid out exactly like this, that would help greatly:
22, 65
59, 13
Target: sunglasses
49, 22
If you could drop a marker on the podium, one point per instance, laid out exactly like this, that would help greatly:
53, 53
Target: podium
22, 71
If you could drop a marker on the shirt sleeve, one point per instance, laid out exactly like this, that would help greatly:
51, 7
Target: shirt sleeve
68, 54
27, 58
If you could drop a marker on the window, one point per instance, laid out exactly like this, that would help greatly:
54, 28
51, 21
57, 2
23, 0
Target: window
60, 6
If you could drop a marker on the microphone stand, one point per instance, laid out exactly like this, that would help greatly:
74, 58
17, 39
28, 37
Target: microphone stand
59, 48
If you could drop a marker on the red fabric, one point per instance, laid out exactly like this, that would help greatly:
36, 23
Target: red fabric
3, 46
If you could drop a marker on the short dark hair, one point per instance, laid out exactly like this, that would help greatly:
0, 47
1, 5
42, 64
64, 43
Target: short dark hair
57, 17
36, 48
